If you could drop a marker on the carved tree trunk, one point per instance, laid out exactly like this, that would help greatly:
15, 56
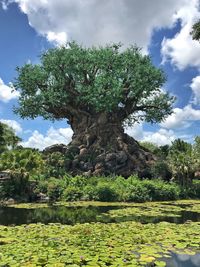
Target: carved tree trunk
99, 146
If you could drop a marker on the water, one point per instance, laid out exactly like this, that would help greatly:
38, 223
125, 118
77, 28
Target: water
73, 215
183, 260
53, 214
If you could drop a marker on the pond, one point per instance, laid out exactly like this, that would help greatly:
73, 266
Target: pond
23, 214
101, 234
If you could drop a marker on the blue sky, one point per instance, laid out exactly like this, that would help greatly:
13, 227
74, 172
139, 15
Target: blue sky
27, 28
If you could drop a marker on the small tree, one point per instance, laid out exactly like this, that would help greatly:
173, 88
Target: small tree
8, 138
97, 90
182, 162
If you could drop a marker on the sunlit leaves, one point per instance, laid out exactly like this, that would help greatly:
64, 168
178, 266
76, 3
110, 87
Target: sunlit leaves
94, 80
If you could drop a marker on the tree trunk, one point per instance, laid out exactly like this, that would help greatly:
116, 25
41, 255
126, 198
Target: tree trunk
99, 146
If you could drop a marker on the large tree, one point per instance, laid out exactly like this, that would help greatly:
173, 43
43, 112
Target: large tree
97, 90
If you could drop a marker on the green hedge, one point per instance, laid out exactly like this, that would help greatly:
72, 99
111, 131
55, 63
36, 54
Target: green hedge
114, 188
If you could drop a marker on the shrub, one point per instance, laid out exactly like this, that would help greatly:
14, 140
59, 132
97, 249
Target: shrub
160, 190
54, 189
78, 181
137, 193
105, 192
90, 193
161, 170
72, 193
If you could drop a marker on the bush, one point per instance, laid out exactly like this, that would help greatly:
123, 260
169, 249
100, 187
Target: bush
90, 192
105, 192
72, 193
137, 193
17, 185
192, 192
54, 189
160, 190
161, 170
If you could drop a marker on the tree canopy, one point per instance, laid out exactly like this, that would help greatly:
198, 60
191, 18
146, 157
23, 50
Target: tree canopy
196, 31
75, 79
8, 138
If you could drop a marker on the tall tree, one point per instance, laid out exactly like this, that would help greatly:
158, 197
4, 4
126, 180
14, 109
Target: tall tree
182, 162
97, 90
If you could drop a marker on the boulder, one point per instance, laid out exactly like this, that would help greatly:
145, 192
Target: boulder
55, 148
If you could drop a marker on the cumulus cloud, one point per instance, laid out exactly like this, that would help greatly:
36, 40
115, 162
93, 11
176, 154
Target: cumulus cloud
13, 124
181, 118
57, 38
53, 136
7, 92
181, 50
99, 22
195, 86
136, 131
160, 137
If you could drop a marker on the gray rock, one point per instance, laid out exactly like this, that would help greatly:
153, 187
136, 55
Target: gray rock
99, 165
98, 172
88, 166
121, 157
87, 174
10, 201
55, 148
83, 151
110, 157
75, 163
72, 150
100, 158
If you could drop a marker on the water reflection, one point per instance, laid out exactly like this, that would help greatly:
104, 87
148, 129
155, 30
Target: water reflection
52, 214
183, 260
73, 215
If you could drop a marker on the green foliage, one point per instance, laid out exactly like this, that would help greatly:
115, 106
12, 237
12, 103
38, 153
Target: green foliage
72, 193
160, 169
158, 190
196, 31
149, 146
182, 162
22, 158
54, 189
109, 189
8, 138
97, 244
17, 186
105, 192
55, 165
106, 79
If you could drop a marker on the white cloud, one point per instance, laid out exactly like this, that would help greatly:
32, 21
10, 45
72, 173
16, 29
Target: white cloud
6, 92
136, 131
4, 5
59, 38
53, 136
195, 86
13, 124
160, 137
99, 22
181, 50
181, 118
